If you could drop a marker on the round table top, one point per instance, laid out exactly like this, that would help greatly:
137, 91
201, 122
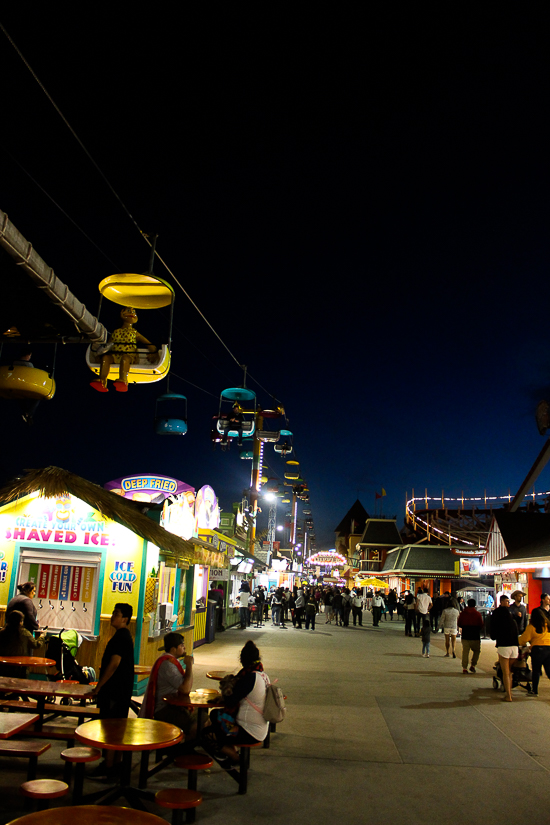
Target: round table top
128, 734
89, 815
27, 661
194, 699
217, 674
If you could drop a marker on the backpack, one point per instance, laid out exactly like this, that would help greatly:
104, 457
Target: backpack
274, 708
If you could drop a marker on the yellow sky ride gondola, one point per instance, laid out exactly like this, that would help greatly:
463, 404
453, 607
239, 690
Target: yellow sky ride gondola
20, 382
292, 470
122, 360
144, 291
141, 372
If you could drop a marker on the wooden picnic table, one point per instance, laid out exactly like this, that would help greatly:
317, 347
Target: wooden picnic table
41, 689
12, 723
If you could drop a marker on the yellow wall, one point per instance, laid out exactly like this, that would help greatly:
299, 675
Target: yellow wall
61, 525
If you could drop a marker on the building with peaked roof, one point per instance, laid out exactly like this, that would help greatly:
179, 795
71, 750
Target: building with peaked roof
379, 536
353, 522
348, 533
518, 553
437, 568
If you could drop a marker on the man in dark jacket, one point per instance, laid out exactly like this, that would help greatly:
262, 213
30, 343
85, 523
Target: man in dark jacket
518, 610
471, 622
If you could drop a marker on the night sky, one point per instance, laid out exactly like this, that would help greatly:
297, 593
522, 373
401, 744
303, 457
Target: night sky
356, 202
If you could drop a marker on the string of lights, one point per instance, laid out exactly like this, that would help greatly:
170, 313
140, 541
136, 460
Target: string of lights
464, 501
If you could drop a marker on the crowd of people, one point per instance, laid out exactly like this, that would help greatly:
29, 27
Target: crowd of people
240, 721
301, 606
448, 614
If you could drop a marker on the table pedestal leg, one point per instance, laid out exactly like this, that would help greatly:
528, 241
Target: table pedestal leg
131, 794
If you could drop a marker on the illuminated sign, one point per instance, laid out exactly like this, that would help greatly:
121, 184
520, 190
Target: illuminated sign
147, 487
166, 485
331, 557
123, 576
207, 511
98, 538
469, 567
178, 515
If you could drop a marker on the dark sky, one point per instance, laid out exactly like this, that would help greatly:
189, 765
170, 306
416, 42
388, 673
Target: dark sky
357, 203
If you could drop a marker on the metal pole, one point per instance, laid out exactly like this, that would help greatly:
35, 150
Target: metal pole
537, 468
255, 481
43, 275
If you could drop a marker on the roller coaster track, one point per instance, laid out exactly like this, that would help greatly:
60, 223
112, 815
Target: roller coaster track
463, 519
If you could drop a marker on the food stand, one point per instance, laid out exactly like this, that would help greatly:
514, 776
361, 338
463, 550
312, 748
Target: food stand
87, 548
195, 518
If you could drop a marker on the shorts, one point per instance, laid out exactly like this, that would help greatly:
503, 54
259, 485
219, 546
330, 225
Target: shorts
450, 631
510, 652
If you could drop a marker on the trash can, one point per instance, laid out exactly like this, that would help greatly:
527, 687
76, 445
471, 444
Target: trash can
210, 621
486, 623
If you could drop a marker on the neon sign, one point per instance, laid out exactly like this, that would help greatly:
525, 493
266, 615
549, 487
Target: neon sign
147, 487
330, 557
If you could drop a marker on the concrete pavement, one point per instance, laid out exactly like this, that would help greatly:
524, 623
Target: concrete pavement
374, 733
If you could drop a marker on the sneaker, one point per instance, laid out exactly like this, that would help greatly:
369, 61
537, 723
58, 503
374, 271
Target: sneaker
454, 655
472, 669
465, 670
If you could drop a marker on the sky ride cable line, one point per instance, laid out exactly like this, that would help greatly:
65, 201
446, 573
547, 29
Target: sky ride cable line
143, 234
58, 206
68, 125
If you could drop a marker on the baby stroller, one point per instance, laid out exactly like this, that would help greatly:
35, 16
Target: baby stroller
522, 675
63, 648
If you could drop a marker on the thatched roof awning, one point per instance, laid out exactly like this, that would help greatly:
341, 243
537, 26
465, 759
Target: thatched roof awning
52, 482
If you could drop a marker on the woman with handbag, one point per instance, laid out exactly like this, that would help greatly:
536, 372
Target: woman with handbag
241, 722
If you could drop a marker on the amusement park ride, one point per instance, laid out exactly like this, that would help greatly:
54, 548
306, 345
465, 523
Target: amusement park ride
467, 520
41, 309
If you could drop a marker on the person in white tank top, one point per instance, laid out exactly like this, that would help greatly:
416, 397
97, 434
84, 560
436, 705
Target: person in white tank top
247, 701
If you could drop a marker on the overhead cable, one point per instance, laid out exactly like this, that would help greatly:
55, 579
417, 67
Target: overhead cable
121, 202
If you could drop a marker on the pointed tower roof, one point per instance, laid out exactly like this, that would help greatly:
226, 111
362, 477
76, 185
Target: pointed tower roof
354, 521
